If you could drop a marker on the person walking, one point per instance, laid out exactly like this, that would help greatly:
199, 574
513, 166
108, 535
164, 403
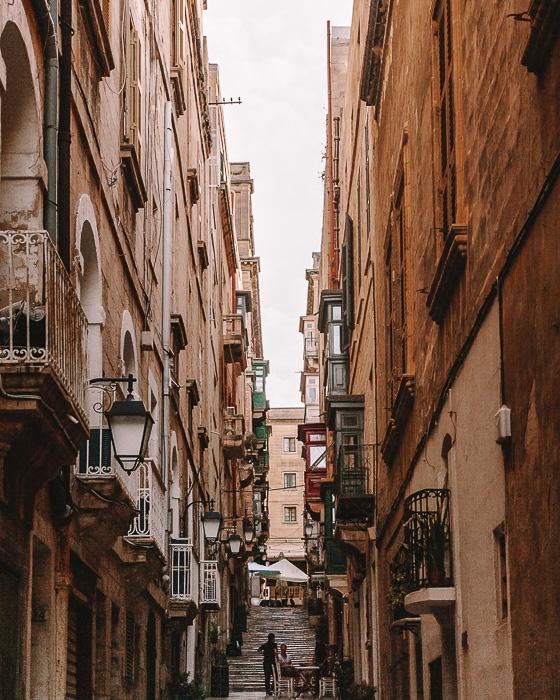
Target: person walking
270, 654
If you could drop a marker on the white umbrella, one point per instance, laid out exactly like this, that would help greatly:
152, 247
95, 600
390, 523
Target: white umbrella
289, 572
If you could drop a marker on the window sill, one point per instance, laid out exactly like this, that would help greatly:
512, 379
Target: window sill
449, 270
133, 174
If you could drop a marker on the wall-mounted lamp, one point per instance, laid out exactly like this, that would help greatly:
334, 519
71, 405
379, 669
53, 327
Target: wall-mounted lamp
211, 524
308, 529
235, 543
248, 532
130, 425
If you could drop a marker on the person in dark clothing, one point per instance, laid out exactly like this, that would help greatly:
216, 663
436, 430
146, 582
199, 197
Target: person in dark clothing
270, 653
320, 658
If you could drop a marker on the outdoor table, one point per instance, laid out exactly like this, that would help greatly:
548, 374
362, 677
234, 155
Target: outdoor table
307, 675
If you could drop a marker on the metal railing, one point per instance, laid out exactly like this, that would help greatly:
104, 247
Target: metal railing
180, 557
427, 539
355, 470
210, 594
311, 347
149, 494
41, 319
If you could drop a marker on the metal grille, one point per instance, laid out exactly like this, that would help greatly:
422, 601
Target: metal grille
150, 502
427, 538
355, 470
210, 583
181, 569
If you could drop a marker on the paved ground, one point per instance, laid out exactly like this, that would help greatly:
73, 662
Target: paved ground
257, 696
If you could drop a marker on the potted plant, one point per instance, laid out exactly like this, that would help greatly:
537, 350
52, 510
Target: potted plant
397, 592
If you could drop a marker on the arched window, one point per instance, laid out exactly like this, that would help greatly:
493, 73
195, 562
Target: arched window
22, 166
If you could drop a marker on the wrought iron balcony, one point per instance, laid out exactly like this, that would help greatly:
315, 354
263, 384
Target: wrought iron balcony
427, 539
105, 495
235, 341
181, 569
210, 593
149, 492
233, 435
354, 486
183, 589
43, 332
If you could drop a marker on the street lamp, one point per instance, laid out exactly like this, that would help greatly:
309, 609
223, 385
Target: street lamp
211, 523
308, 529
235, 543
248, 531
130, 425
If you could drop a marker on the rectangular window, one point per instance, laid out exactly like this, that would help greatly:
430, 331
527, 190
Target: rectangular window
395, 270
290, 514
289, 480
288, 444
133, 91
445, 110
312, 394
348, 283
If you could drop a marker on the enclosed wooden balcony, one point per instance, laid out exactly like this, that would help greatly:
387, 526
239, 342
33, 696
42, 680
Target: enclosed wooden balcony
43, 333
235, 340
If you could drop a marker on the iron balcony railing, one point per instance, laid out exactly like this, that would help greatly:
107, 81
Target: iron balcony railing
181, 569
149, 494
210, 594
355, 470
427, 539
42, 322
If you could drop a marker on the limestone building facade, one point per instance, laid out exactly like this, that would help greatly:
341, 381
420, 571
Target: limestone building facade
118, 257
437, 335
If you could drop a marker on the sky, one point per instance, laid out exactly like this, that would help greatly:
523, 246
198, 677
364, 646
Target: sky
274, 57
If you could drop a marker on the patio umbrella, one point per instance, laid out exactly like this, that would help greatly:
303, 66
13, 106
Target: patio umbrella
264, 571
289, 572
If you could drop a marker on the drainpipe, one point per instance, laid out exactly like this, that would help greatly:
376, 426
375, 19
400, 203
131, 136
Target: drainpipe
50, 125
64, 135
166, 296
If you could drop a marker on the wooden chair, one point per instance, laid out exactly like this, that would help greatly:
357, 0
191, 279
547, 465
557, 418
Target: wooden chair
328, 687
282, 685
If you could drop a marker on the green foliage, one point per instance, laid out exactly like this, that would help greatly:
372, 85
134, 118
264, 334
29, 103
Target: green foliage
397, 591
185, 689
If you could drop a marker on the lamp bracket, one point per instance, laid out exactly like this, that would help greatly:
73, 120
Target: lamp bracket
108, 386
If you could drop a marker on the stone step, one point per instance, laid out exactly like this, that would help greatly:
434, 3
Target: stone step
290, 627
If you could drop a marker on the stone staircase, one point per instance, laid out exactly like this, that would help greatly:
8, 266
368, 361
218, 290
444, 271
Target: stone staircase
290, 626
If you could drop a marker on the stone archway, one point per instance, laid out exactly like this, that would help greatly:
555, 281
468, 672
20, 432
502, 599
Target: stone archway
22, 168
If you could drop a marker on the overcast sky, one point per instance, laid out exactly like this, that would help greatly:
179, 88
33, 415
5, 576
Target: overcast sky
273, 56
